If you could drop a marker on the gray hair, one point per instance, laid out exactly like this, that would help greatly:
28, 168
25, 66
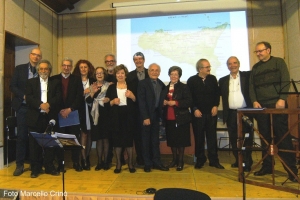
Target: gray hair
199, 64
44, 61
67, 59
154, 64
233, 57
112, 55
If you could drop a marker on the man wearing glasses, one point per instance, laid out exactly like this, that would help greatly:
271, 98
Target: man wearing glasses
206, 97
269, 76
110, 63
72, 99
17, 86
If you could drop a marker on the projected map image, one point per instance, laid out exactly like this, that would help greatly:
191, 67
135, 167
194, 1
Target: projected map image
182, 40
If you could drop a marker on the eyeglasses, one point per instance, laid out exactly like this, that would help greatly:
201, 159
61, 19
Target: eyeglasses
259, 51
64, 65
100, 73
37, 55
207, 67
43, 69
109, 61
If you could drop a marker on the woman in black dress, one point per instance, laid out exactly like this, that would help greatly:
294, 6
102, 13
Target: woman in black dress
99, 113
177, 100
122, 122
85, 70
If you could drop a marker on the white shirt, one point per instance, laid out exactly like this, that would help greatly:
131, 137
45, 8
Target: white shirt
122, 97
235, 98
44, 90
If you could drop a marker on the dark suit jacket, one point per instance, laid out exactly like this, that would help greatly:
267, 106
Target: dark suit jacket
133, 81
74, 98
18, 84
33, 99
183, 96
147, 99
224, 89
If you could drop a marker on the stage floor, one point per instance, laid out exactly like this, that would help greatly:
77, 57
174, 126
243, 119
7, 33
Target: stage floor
217, 183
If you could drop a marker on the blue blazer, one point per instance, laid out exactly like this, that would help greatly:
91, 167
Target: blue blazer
146, 98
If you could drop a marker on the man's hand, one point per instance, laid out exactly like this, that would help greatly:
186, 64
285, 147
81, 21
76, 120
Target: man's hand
146, 122
280, 104
214, 111
45, 107
197, 113
256, 105
65, 112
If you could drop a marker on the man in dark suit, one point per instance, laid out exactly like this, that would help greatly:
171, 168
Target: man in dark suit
133, 79
235, 94
43, 97
72, 93
17, 86
150, 104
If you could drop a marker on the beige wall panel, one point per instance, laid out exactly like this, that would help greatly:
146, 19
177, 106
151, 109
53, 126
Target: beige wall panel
2, 22
31, 28
55, 20
1, 50
47, 54
74, 42
266, 7
293, 44
77, 20
295, 73
59, 42
278, 49
103, 18
97, 59
14, 17
32, 8
46, 15
100, 38
46, 36
290, 3
55, 50
76, 57
267, 28
292, 25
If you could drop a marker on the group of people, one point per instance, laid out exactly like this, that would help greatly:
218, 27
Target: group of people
120, 109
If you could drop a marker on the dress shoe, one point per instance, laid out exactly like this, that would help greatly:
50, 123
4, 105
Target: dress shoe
117, 171
132, 170
172, 164
19, 170
180, 167
216, 165
234, 165
34, 174
199, 165
106, 166
77, 167
161, 167
147, 169
262, 172
52, 171
60, 168
247, 169
99, 166
84, 165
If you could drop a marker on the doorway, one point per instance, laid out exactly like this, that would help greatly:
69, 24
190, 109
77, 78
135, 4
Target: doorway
16, 52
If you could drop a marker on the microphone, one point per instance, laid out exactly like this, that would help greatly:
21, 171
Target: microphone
247, 120
49, 128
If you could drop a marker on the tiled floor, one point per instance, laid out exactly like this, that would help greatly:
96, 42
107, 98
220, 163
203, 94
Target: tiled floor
214, 182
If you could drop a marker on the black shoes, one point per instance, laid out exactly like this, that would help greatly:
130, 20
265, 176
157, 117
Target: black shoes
199, 165
147, 169
216, 165
117, 171
34, 174
52, 172
180, 167
234, 165
161, 167
106, 166
19, 170
172, 164
132, 170
85, 165
60, 168
99, 166
77, 167
262, 172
